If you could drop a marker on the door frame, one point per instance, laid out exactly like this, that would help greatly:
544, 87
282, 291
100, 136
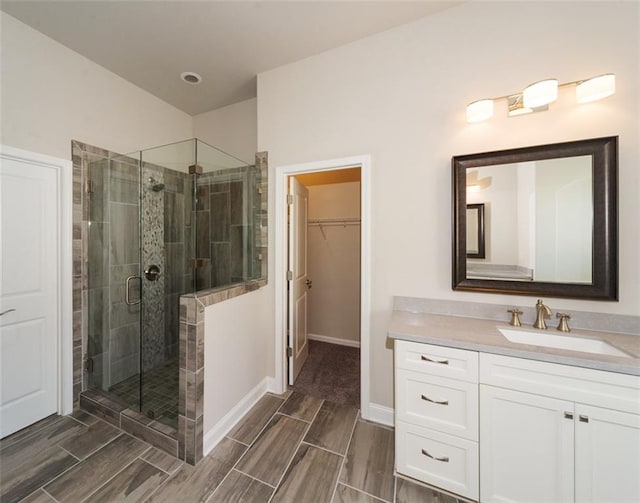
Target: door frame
281, 256
64, 180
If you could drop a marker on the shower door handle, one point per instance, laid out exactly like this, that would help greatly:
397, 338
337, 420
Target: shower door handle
127, 300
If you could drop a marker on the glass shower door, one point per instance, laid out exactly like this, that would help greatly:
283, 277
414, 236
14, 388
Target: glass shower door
112, 192
141, 232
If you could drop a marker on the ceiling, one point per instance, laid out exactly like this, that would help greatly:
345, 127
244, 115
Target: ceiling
329, 177
151, 42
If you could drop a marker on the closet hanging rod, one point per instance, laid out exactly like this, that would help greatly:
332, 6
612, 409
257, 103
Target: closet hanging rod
334, 221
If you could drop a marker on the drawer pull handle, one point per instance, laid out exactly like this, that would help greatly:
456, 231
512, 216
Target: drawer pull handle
568, 415
444, 459
443, 402
583, 419
442, 362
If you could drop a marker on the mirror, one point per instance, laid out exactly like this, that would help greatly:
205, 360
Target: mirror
538, 220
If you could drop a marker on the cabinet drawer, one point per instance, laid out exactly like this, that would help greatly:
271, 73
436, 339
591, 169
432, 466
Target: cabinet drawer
592, 387
437, 459
438, 403
437, 360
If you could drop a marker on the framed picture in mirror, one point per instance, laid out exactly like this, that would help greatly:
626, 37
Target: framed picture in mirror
475, 230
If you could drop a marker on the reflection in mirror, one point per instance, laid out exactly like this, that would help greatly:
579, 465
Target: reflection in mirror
475, 231
541, 221
549, 220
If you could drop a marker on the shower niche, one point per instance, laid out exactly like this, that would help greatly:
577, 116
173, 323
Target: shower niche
157, 224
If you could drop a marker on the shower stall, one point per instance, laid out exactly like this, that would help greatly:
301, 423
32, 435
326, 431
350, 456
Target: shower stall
162, 222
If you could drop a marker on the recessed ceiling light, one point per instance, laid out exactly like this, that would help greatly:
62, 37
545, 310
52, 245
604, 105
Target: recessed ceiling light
191, 77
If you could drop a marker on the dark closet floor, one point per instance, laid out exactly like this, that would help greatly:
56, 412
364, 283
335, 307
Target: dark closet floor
331, 372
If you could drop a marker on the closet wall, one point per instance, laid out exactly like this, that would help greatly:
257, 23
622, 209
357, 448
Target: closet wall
334, 262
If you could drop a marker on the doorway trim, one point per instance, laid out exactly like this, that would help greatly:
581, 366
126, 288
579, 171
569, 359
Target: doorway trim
281, 251
64, 190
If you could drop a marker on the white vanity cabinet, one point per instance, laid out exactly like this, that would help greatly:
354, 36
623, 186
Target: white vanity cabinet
436, 417
551, 432
527, 447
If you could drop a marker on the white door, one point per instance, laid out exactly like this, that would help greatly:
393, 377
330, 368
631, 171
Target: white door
299, 283
526, 447
607, 455
29, 265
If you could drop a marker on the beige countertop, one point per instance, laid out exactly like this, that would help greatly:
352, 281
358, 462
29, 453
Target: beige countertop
482, 335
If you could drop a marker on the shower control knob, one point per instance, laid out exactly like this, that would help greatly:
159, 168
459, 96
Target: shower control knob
152, 273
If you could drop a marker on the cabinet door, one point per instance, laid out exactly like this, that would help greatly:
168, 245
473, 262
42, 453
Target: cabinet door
526, 447
607, 455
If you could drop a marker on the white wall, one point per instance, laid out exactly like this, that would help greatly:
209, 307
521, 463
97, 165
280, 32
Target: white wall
401, 95
232, 128
334, 262
236, 352
51, 95
526, 214
564, 202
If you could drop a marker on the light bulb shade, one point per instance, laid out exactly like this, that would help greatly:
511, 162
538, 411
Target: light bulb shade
541, 93
596, 88
479, 110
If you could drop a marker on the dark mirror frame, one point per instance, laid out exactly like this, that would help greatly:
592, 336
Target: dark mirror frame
604, 286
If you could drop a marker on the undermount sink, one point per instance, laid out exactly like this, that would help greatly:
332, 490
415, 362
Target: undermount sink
570, 342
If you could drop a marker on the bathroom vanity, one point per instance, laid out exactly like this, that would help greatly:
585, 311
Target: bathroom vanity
491, 419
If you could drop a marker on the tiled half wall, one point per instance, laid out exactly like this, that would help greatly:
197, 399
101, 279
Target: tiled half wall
191, 404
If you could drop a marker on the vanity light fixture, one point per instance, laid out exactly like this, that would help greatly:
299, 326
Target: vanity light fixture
596, 88
479, 110
537, 96
540, 94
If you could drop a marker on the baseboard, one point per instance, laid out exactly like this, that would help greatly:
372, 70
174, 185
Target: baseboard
380, 414
333, 340
224, 426
272, 387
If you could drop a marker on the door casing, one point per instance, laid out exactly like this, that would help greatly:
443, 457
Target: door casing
281, 257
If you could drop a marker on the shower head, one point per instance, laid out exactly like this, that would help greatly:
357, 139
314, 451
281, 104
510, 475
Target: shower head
155, 186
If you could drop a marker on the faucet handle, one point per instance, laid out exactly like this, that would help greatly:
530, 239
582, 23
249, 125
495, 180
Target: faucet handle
563, 326
515, 317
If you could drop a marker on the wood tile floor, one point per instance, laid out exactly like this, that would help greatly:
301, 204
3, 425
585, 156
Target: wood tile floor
288, 448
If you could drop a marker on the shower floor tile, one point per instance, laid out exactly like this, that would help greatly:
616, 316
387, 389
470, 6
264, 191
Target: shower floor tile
159, 392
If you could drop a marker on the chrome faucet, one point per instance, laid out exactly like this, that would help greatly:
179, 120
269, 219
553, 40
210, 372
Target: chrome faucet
542, 312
